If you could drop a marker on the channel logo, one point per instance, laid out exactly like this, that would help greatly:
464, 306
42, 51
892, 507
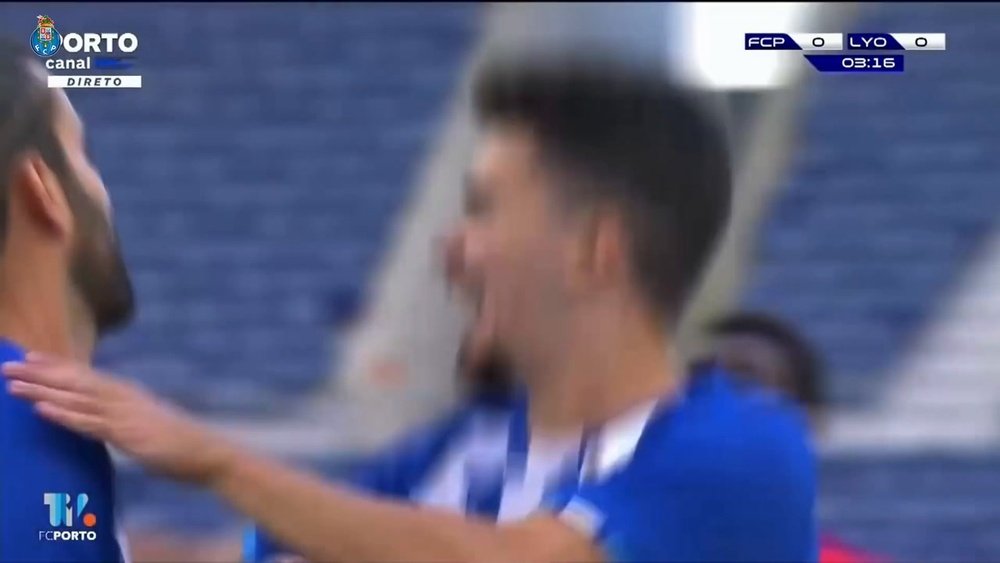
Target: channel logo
99, 55
65, 513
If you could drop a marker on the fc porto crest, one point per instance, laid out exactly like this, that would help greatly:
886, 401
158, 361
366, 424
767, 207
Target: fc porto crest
45, 40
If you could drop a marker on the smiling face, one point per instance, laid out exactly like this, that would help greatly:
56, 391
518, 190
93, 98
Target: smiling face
594, 197
517, 243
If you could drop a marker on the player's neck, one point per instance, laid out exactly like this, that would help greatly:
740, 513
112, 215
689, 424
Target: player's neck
38, 313
602, 376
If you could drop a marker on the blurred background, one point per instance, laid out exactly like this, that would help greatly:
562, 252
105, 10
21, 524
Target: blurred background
280, 179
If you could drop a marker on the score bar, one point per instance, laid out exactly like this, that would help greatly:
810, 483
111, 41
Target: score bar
896, 41
794, 41
836, 42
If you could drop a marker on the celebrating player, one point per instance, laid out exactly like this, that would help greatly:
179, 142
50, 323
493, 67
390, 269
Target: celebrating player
763, 349
62, 284
594, 202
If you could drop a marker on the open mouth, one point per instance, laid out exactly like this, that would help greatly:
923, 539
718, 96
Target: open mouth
474, 302
481, 317
468, 283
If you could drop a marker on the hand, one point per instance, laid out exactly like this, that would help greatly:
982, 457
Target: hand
121, 413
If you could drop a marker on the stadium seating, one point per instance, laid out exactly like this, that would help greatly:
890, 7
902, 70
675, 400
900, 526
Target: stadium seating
254, 179
892, 190
253, 176
917, 507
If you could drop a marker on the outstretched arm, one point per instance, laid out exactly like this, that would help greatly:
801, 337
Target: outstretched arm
330, 523
321, 521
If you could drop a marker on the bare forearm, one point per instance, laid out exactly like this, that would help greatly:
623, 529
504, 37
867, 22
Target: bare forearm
155, 548
319, 521
324, 522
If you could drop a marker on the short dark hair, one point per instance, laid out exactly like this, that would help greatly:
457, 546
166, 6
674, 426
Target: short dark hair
628, 136
807, 369
26, 118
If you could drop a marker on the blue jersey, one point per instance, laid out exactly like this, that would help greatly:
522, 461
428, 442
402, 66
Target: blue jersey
56, 489
722, 474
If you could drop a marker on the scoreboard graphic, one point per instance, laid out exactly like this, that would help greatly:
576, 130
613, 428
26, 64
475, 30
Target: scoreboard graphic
864, 51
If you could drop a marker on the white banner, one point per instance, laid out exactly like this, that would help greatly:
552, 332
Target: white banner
93, 81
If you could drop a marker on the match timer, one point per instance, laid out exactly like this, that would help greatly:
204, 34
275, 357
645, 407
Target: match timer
857, 63
864, 51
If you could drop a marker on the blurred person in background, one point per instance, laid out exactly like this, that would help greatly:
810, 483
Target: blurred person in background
63, 284
595, 200
762, 349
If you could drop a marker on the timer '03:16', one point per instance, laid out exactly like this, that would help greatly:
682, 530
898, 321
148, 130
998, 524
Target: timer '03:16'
868, 62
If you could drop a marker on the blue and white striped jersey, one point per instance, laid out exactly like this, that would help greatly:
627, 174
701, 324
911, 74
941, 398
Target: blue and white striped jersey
722, 474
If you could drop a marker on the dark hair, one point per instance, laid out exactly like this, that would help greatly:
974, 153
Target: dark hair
626, 136
806, 367
26, 118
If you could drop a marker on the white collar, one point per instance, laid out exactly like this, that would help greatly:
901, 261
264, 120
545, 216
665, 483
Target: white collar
617, 440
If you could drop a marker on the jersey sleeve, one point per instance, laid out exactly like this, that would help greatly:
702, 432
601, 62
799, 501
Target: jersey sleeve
391, 473
734, 500
56, 492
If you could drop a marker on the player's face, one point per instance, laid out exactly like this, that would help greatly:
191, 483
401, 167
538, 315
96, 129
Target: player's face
515, 246
97, 269
756, 359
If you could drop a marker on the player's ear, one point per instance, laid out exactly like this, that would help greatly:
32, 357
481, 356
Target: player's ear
600, 257
37, 190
